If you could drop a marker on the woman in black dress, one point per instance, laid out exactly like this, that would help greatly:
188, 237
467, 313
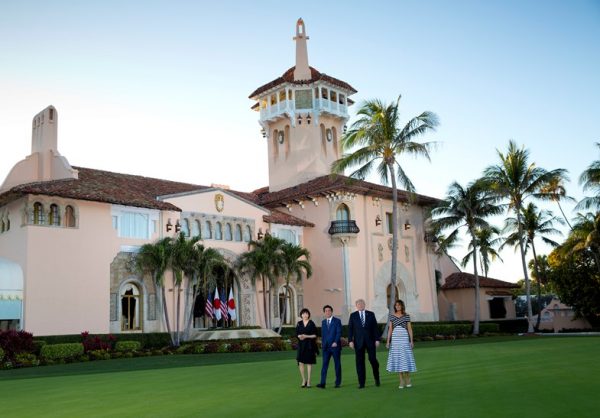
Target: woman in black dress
306, 331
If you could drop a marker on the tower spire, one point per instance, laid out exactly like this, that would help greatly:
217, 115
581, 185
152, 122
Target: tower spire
302, 70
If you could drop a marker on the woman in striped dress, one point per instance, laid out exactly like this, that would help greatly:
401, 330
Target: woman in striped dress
400, 343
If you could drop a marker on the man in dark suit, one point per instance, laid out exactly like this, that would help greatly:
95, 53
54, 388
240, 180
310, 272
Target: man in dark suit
363, 334
331, 334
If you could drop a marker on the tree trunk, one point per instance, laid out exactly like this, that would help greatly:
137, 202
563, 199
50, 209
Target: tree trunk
477, 298
539, 288
269, 305
563, 214
264, 286
527, 282
284, 305
393, 274
166, 312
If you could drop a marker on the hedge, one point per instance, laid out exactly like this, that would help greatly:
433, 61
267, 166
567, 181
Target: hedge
126, 346
149, 340
61, 351
1, 353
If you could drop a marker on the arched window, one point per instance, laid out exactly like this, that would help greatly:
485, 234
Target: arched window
400, 293
343, 213
131, 308
238, 233
185, 227
54, 215
218, 230
207, 233
70, 217
38, 213
196, 231
247, 233
228, 232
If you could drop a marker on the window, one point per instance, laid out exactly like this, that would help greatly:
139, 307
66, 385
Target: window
263, 104
324, 93
341, 99
228, 232
390, 224
196, 231
282, 96
286, 305
54, 215
343, 213
247, 233
185, 227
134, 225
70, 217
38, 213
287, 235
333, 96
207, 233
289, 94
238, 233
218, 230
273, 99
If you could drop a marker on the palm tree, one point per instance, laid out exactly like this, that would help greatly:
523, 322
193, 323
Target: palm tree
184, 258
154, 259
487, 239
556, 192
262, 261
381, 140
467, 208
590, 180
535, 224
295, 262
207, 262
585, 237
516, 179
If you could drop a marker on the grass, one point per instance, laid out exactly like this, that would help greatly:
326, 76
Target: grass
487, 377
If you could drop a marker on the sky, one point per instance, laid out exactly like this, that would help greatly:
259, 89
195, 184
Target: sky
160, 88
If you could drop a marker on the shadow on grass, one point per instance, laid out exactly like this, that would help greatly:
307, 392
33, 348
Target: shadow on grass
196, 360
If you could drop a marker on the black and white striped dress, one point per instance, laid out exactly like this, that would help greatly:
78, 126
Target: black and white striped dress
400, 356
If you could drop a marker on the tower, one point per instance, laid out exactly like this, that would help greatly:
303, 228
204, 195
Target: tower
302, 114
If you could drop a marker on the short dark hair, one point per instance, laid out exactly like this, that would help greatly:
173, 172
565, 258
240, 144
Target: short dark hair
304, 310
327, 306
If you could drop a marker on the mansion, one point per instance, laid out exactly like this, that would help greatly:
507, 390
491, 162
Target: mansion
69, 235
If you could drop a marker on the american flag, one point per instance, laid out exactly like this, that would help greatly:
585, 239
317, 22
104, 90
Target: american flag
224, 306
208, 308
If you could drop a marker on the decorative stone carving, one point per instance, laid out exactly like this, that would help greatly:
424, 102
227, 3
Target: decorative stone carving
246, 314
151, 311
380, 252
113, 306
406, 253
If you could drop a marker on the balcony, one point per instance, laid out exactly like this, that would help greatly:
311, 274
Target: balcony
343, 228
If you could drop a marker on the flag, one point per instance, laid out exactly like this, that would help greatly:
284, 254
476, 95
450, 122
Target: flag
231, 305
224, 305
217, 305
208, 308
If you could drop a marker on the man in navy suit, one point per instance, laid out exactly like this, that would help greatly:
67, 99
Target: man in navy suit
331, 334
363, 334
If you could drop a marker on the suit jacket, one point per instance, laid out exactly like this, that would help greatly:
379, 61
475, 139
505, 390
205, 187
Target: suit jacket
363, 336
332, 333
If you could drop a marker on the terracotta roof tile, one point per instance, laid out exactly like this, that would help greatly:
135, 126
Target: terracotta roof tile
288, 77
105, 186
325, 184
464, 280
277, 217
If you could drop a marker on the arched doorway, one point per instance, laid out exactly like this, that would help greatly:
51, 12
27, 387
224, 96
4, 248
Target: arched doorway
131, 308
286, 305
223, 281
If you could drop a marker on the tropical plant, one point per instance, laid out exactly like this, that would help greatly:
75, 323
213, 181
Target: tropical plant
556, 192
378, 139
466, 208
534, 224
153, 259
516, 180
585, 237
262, 261
295, 262
487, 240
590, 180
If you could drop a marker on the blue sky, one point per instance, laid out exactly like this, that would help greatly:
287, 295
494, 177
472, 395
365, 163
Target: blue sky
161, 88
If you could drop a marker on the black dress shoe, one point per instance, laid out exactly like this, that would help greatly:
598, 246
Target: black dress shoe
321, 386
338, 386
361, 387
377, 383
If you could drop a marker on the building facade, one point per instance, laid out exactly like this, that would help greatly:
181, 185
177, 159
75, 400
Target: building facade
69, 235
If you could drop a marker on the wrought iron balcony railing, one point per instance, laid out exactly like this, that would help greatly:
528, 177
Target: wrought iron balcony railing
343, 227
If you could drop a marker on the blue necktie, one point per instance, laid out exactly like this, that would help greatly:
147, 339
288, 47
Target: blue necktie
362, 318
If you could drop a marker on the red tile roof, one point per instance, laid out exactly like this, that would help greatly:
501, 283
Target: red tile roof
329, 184
288, 77
467, 280
277, 217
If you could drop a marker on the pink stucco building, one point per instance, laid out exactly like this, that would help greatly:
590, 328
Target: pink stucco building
69, 234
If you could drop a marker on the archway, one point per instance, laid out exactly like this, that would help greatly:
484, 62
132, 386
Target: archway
131, 307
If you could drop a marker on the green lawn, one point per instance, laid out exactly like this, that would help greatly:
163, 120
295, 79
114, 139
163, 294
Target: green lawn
487, 377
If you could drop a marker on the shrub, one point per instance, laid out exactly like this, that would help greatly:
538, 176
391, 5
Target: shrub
489, 327
99, 355
125, 346
56, 352
16, 342
97, 342
1, 354
37, 346
26, 360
